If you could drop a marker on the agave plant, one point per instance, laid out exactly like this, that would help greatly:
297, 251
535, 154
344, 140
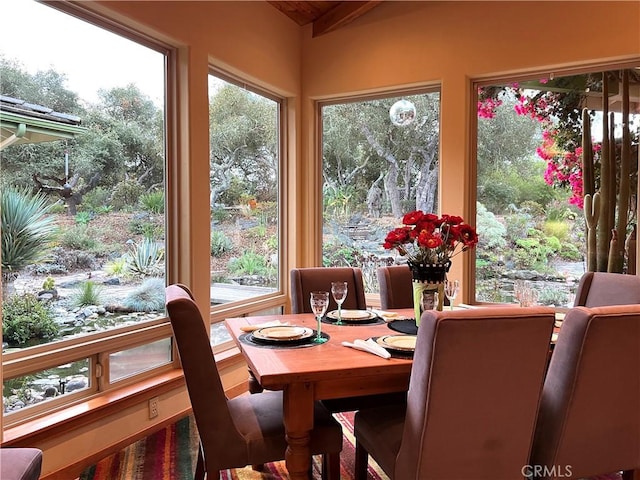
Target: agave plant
146, 258
27, 231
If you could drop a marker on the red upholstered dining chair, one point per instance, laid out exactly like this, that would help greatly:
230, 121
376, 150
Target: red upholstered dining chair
396, 286
246, 430
589, 419
306, 280
599, 289
473, 398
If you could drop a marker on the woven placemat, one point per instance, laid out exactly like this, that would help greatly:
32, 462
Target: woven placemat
353, 323
249, 339
407, 325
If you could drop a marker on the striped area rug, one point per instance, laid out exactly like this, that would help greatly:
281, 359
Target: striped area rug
170, 455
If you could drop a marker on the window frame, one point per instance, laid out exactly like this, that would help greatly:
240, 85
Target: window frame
506, 79
278, 298
427, 88
96, 347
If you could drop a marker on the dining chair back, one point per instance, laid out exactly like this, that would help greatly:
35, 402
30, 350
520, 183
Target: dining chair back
473, 398
396, 286
246, 430
20, 463
589, 420
600, 289
306, 280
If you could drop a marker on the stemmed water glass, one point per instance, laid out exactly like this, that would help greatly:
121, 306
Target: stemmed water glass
339, 292
319, 304
451, 289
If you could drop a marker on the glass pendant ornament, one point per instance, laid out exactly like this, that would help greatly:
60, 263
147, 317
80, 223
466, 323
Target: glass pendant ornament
402, 113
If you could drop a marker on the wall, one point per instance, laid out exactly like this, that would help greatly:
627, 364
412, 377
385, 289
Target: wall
396, 44
452, 43
248, 38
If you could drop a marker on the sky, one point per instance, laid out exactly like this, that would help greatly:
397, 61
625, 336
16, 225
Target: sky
41, 38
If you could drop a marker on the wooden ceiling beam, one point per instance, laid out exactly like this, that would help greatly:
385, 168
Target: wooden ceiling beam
340, 15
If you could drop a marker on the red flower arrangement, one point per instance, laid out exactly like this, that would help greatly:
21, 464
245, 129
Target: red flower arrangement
428, 239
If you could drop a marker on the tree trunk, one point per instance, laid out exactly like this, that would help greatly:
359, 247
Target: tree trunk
391, 178
391, 187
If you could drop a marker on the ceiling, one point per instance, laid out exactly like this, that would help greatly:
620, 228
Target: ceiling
325, 16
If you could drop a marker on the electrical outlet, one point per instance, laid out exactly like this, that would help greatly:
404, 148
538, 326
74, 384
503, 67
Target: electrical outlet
153, 407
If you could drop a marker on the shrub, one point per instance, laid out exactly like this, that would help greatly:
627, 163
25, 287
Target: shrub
556, 296
58, 208
96, 199
78, 237
48, 284
117, 267
220, 243
250, 263
25, 318
83, 218
69, 260
569, 251
153, 202
148, 297
556, 228
219, 214
148, 228
145, 258
126, 194
87, 293
26, 229
339, 255
493, 232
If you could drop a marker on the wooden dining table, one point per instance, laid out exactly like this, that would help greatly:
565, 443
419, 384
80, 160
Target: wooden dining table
318, 372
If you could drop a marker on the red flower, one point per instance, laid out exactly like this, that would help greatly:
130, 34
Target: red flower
468, 235
412, 218
427, 238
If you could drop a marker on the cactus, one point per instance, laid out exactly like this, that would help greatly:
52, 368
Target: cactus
606, 236
591, 213
617, 260
608, 196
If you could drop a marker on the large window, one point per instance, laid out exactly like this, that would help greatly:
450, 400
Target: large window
83, 202
535, 203
380, 160
244, 135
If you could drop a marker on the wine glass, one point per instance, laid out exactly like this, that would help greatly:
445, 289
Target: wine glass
319, 304
339, 292
451, 289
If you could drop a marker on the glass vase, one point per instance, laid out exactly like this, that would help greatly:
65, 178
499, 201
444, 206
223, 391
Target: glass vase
428, 286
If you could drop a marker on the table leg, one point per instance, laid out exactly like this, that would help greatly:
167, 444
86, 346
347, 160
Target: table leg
298, 422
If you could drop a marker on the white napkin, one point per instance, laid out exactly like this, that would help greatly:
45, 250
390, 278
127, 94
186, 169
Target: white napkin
388, 316
273, 323
368, 346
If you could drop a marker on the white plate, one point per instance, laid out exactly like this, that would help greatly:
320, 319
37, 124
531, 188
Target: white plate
352, 315
282, 333
404, 343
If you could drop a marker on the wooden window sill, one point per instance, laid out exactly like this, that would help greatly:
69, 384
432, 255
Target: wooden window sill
101, 405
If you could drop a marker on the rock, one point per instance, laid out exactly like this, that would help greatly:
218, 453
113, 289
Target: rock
47, 296
50, 392
111, 281
76, 383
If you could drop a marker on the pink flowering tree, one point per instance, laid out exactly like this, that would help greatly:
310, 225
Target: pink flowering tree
559, 116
